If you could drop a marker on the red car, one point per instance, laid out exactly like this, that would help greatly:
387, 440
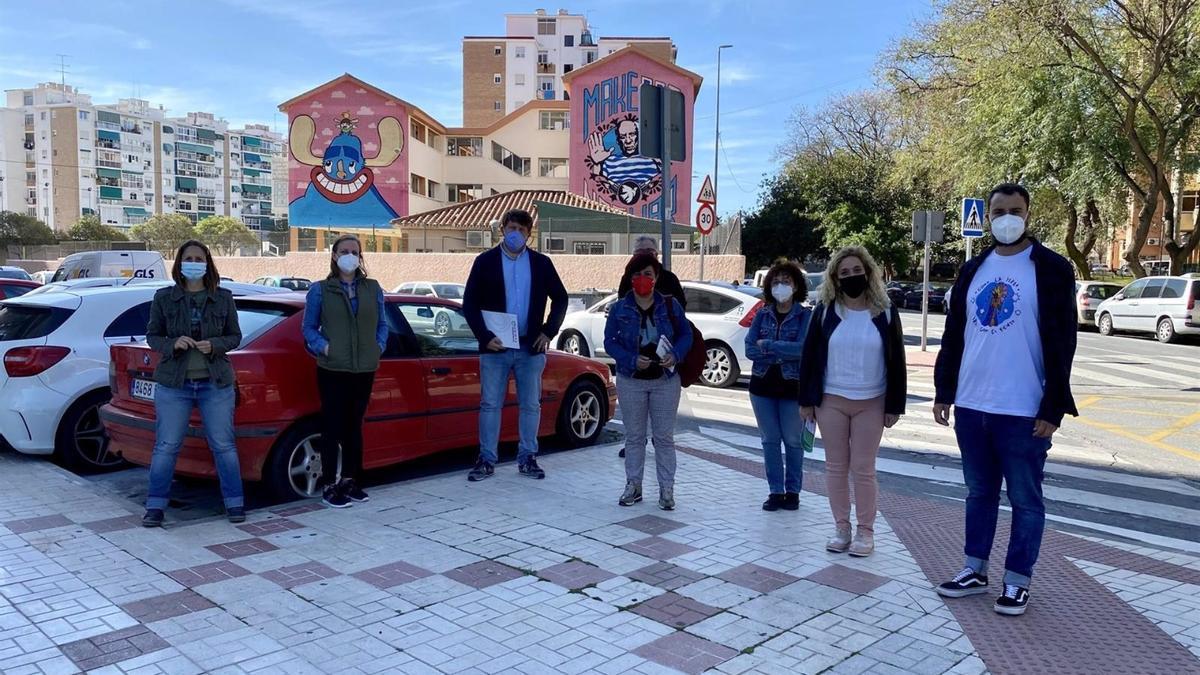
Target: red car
426, 396
12, 288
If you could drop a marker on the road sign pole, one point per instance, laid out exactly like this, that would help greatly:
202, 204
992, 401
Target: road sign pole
925, 288
666, 175
969, 240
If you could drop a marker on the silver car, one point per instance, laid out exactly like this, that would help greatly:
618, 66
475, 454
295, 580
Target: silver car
1165, 306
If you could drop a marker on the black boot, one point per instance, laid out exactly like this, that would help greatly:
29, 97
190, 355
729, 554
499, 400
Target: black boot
775, 501
791, 501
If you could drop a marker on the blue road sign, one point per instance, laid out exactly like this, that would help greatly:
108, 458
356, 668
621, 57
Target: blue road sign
972, 217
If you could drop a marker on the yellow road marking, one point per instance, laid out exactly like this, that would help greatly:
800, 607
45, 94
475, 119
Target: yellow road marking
1091, 400
1176, 427
1120, 431
1135, 413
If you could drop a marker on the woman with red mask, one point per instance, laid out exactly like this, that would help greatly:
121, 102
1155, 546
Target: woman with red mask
647, 335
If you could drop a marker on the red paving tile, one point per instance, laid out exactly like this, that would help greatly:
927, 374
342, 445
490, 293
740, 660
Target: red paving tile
38, 524
273, 526
298, 575
847, 579
657, 548
208, 574
685, 652
575, 575
392, 574
242, 548
675, 610
114, 647
483, 574
757, 578
167, 606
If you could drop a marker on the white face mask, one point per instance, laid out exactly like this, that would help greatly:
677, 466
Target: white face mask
782, 292
1007, 229
347, 262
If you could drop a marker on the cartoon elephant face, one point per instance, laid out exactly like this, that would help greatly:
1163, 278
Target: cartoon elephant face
343, 158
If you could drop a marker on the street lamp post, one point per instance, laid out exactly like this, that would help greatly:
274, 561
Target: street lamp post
716, 156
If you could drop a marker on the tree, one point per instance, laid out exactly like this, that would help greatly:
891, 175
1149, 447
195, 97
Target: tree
89, 228
780, 226
20, 229
164, 232
225, 235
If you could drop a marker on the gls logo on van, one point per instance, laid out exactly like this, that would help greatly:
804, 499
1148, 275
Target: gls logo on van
143, 274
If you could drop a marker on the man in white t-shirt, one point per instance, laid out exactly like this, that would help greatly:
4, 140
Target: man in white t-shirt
1005, 365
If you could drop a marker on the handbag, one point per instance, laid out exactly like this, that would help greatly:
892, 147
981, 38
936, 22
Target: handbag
692, 366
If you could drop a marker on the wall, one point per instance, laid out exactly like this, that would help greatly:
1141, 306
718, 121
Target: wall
578, 272
480, 92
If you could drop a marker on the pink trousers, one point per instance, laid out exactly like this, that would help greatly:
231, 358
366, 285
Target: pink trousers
851, 432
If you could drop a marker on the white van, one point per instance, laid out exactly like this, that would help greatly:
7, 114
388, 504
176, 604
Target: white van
89, 264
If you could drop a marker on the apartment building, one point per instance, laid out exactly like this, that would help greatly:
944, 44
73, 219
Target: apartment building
503, 73
63, 156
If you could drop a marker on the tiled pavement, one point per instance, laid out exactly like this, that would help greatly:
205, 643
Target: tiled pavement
512, 575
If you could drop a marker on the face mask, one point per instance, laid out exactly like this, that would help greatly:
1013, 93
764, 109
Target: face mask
853, 286
347, 262
782, 292
193, 271
1008, 229
514, 240
643, 285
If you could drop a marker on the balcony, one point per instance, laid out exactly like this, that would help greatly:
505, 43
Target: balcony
547, 94
545, 68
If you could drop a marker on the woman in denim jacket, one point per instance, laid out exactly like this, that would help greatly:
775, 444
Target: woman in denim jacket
775, 343
647, 335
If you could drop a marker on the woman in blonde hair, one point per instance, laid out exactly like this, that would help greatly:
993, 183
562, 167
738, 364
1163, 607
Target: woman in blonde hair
855, 385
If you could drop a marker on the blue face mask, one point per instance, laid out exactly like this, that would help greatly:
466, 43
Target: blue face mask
193, 271
514, 240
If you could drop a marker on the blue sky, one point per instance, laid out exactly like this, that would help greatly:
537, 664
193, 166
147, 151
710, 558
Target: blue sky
241, 58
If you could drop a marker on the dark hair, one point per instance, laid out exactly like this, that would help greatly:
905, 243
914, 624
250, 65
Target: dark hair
334, 271
212, 280
1009, 189
519, 216
638, 263
789, 269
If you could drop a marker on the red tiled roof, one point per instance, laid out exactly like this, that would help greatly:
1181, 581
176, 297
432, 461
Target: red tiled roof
477, 214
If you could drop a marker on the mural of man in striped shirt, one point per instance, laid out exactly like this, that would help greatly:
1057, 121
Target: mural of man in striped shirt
628, 176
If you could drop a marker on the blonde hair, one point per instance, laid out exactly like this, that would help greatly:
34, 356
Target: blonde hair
877, 298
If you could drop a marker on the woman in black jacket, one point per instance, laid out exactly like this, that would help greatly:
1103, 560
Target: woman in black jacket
855, 386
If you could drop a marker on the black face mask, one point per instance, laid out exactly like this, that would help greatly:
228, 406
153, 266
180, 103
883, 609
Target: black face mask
853, 286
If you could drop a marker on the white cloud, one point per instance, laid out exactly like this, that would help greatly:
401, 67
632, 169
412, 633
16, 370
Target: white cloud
364, 110
337, 93
370, 147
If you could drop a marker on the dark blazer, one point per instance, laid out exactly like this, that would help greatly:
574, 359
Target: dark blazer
816, 355
667, 284
170, 318
1057, 326
485, 291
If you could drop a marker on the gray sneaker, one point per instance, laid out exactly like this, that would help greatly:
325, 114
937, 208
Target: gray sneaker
631, 495
666, 499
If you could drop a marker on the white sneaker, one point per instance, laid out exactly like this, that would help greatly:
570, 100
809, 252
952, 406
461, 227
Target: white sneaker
863, 545
840, 541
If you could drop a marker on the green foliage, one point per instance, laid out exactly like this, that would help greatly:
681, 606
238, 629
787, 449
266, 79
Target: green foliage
89, 228
20, 229
225, 235
780, 227
164, 232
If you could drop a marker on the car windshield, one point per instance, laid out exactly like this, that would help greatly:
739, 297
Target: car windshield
1102, 292
815, 280
254, 320
27, 322
450, 291
14, 274
295, 284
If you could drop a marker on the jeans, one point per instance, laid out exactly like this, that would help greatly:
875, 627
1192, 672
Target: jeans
851, 432
658, 402
494, 371
779, 423
995, 448
344, 400
172, 410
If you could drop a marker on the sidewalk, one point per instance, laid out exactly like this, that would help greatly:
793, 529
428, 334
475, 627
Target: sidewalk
513, 575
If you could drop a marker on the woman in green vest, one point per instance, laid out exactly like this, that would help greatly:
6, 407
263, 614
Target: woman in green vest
346, 330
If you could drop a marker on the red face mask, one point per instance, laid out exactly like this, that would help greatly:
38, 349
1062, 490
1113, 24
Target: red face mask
643, 285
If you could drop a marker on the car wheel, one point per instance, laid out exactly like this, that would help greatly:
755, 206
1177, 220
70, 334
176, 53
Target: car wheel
720, 368
294, 468
572, 342
441, 323
1166, 330
81, 443
582, 414
1105, 325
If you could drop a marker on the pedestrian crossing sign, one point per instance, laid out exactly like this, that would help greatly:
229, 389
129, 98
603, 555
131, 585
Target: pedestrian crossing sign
972, 217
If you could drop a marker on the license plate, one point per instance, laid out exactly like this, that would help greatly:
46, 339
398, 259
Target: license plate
143, 389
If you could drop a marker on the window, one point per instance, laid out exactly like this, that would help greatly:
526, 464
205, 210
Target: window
28, 119
547, 26
1174, 288
543, 58
545, 83
497, 78
521, 52
43, 115
554, 245
513, 162
589, 56
554, 120
567, 68
432, 193
568, 40
84, 115
497, 106
131, 322
27, 99
418, 185
1153, 288
497, 50
707, 302
1134, 291
519, 79
439, 330
461, 192
678, 245
590, 248
417, 130
552, 167
464, 146
28, 322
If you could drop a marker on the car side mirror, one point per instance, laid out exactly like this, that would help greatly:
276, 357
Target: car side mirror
425, 312
1119, 296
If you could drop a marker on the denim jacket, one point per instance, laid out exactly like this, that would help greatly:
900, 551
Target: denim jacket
623, 330
784, 341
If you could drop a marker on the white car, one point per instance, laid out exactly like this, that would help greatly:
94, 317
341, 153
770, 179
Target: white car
722, 315
436, 289
1165, 306
440, 322
55, 350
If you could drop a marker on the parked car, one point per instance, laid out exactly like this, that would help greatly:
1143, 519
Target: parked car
10, 272
433, 289
42, 277
55, 377
937, 297
1165, 306
814, 279
425, 399
896, 290
721, 314
110, 282
284, 282
128, 264
1089, 295
12, 288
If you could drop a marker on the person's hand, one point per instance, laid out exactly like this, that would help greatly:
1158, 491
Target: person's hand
596, 150
941, 414
668, 361
1043, 429
204, 346
184, 343
540, 344
763, 344
495, 345
808, 413
643, 362
889, 421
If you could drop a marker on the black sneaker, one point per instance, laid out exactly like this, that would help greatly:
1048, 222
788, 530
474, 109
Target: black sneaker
153, 518
791, 501
966, 582
482, 470
774, 502
1013, 601
355, 493
335, 498
531, 469
621, 453
236, 514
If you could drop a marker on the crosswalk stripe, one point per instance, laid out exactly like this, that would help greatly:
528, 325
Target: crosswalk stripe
1165, 375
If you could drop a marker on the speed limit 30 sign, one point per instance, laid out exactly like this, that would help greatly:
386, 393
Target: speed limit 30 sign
706, 218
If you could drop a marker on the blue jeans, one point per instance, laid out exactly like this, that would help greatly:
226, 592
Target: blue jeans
494, 371
996, 448
172, 409
779, 423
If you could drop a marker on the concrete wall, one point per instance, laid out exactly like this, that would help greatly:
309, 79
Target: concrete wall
578, 272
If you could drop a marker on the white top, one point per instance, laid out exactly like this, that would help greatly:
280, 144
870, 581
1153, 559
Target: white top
855, 367
1002, 370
